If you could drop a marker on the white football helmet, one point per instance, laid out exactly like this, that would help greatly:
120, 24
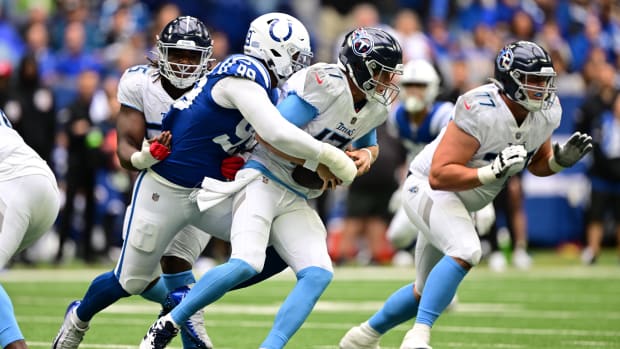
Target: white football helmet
281, 41
419, 72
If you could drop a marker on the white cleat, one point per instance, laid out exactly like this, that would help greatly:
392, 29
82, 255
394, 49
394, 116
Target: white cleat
497, 262
160, 333
360, 337
412, 342
70, 334
521, 260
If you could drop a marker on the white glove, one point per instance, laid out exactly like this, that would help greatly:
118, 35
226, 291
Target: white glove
150, 154
566, 155
507, 158
338, 162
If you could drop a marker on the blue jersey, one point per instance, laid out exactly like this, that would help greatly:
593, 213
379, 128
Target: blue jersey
204, 133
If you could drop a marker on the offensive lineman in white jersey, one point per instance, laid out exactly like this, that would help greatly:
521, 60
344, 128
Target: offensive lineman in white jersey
29, 204
498, 130
416, 122
341, 104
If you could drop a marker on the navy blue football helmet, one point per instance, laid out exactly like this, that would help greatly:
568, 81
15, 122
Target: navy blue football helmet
524, 71
188, 34
371, 57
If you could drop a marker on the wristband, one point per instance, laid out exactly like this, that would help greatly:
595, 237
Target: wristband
369, 155
554, 166
486, 175
142, 160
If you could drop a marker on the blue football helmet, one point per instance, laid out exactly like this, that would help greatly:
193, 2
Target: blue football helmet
367, 55
524, 71
188, 34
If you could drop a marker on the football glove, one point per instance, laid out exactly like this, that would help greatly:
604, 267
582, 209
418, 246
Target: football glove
566, 155
513, 155
231, 165
150, 154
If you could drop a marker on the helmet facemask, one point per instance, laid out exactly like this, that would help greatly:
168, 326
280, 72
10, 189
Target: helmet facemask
296, 59
180, 74
531, 93
381, 86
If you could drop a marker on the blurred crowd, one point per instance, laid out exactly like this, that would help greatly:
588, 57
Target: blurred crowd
61, 60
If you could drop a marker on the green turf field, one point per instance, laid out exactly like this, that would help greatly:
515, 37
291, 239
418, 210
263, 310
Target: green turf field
556, 305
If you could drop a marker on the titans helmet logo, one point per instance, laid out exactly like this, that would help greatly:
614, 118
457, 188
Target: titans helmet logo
504, 59
361, 43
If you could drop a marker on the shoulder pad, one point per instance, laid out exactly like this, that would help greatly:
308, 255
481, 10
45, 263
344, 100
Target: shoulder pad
326, 77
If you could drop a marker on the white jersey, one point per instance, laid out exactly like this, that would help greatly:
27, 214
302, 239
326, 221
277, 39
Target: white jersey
140, 88
324, 87
17, 159
483, 114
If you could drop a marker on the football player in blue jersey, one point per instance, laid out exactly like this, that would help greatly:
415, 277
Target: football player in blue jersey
29, 203
145, 94
338, 103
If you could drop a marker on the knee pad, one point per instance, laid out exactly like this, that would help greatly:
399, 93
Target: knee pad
134, 286
471, 256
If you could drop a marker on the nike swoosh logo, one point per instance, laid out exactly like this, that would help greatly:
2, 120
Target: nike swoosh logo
318, 79
467, 106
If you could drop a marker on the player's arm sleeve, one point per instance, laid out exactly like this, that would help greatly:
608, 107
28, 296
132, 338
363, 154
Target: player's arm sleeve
467, 119
266, 119
296, 110
129, 88
367, 140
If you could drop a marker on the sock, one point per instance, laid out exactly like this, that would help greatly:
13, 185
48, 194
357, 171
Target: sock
274, 264
103, 291
311, 282
176, 280
156, 293
398, 308
211, 287
9, 330
439, 290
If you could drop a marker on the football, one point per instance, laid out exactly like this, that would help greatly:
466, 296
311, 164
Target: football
307, 178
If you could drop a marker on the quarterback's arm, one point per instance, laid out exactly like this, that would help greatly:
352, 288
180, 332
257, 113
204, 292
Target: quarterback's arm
364, 152
448, 169
539, 165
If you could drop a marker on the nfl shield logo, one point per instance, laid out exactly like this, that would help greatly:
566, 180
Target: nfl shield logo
155, 197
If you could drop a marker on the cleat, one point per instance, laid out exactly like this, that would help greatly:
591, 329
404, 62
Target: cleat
193, 332
412, 342
70, 334
360, 337
521, 259
160, 333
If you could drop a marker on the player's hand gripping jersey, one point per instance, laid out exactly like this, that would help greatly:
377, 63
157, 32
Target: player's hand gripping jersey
482, 113
319, 101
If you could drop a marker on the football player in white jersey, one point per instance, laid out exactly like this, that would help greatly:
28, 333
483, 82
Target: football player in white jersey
416, 121
29, 204
498, 130
337, 103
145, 93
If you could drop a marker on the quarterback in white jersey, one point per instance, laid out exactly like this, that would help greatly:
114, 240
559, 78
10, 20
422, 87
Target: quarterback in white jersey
498, 130
29, 204
341, 104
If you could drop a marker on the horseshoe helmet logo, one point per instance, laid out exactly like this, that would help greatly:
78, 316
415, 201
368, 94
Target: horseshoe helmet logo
286, 36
